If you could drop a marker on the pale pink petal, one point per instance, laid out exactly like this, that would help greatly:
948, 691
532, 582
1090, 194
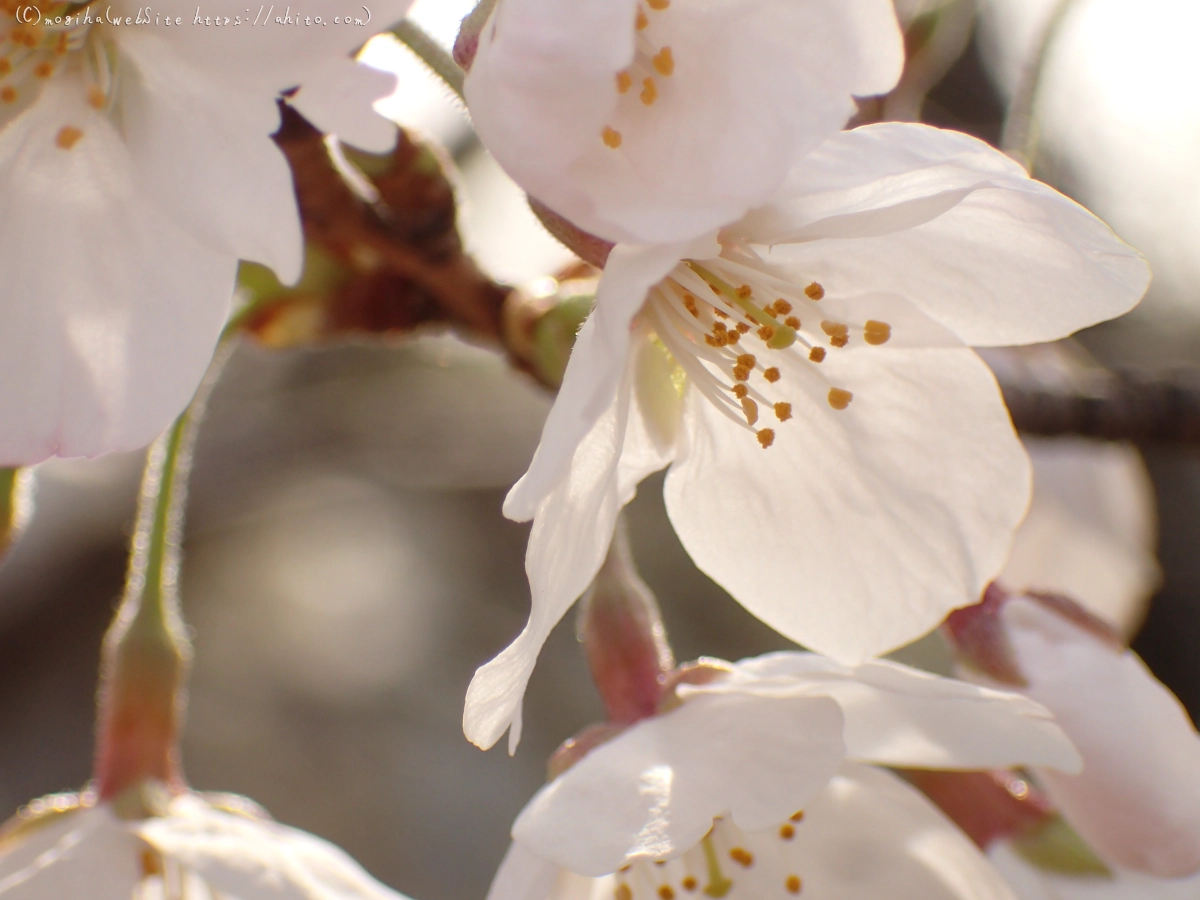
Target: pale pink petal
858, 529
1137, 801
900, 716
111, 311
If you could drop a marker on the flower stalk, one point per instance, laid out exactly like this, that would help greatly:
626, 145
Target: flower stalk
147, 652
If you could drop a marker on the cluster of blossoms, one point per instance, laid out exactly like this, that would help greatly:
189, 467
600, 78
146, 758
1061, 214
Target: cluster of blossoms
786, 320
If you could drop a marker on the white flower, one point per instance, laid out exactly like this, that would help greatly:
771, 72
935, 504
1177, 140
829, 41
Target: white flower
197, 849
754, 788
841, 461
1137, 801
652, 120
136, 168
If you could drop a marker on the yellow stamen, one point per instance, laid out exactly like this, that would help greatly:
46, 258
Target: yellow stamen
664, 62
839, 399
782, 337
611, 137
68, 136
750, 408
649, 92
876, 333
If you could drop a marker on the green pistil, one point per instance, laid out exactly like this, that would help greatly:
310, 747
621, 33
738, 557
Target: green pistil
784, 335
718, 885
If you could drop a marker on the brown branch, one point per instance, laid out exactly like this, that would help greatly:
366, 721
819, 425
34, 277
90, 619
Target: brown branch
401, 248
1119, 404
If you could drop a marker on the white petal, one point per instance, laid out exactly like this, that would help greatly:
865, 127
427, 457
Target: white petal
596, 364
87, 853
654, 790
869, 835
523, 875
258, 860
900, 716
110, 313
754, 86
1137, 801
203, 150
571, 532
337, 97
685, 164
950, 224
855, 183
858, 530
1091, 529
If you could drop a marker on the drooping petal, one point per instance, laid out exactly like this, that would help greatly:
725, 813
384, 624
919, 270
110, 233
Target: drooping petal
111, 312
859, 528
955, 227
202, 149
749, 87
871, 835
1091, 529
596, 364
572, 529
86, 853
253, 859
900, 716
1137, 801
653, 791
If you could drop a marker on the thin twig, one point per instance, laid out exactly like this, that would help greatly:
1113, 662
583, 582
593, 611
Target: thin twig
1019, 138
1118, 405
430, 52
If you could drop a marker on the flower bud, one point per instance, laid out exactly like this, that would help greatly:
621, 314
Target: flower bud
624, 639
541, 320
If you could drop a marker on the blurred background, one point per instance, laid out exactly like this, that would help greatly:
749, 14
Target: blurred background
346, 563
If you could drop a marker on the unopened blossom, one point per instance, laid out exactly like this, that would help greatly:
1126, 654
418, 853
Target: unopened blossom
841, 461
1137, 801
136, 168
651, 120
200, 846
758, 785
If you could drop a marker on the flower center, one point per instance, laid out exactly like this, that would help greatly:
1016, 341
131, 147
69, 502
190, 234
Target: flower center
735, 344
651, 62
727, 863
35, 46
